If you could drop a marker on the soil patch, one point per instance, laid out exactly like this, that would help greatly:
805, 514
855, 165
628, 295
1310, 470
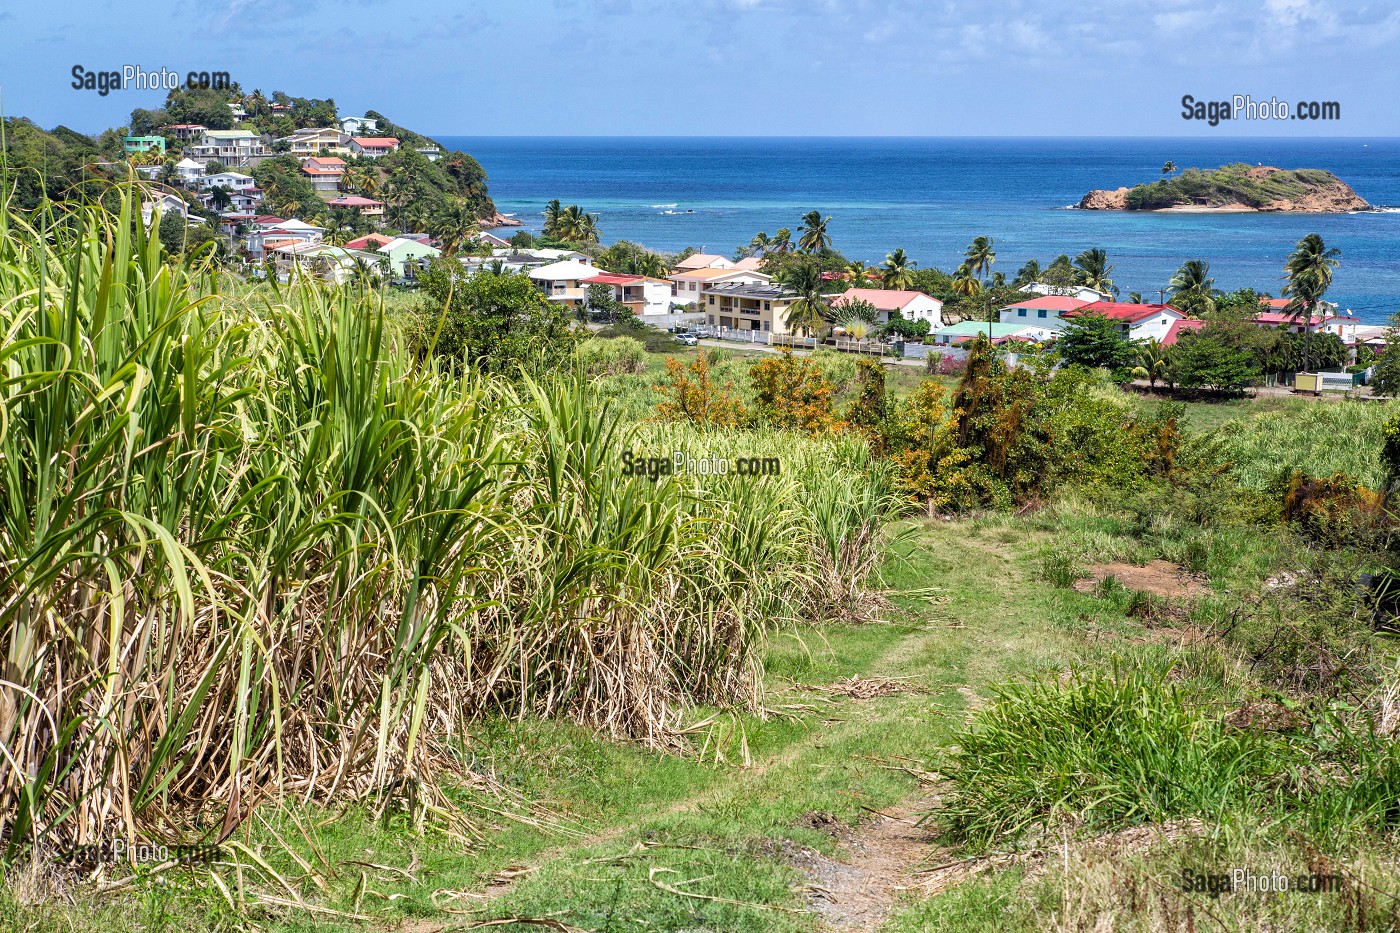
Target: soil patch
884, 853
1157, 577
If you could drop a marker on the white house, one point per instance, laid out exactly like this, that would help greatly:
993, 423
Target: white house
231, 147
264, 238
372, 147
189, 170
234, 181
1082, 292
355, 126
165, 204
309, 141
687, 286
566, 280
703, 261
1137, 322
642, 294
1046, 311
911, 305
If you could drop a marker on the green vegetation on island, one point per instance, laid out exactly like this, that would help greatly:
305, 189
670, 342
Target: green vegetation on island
1234, 186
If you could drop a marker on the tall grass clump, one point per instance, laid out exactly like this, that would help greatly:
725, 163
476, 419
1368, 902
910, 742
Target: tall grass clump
1318, 438
251, 547
1104, 750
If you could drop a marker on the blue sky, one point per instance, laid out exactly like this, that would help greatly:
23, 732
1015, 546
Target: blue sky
732, 67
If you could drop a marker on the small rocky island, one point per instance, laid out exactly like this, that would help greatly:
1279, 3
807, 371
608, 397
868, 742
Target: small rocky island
1236, 187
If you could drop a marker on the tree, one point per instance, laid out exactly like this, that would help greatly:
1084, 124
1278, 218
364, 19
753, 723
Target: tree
1153, 362
980, 256
1192, 290
810, 312
493, 323
780, 244
172, 232
1093, 271
220, 197
759, 244
553, 211
1385, 378
814, 237
1094, 340
1061, 273
694, 396
1027, 274
454, 223
897, 269
1309, 274
794, 394
1169, 167
1200, 359
604, 304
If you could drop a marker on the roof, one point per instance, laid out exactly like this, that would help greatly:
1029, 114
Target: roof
974, 328
745, 290
700, 261
399, 242
1280, 318
705, 275
354, 200
185, 126
1274, 302
1049, 303
278, 244
230, 134
748, 264
884, 299
369, 241
268, 219
1180, 327
365, 142
611, 278
189, 163
564, 270
324, 160
1124, 310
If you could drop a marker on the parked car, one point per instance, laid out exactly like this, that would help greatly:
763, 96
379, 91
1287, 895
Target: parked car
688, 340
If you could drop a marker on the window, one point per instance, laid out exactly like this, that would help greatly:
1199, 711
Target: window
712, 299
768, 306
767, 325
1040, 313
711, 319
1020, 312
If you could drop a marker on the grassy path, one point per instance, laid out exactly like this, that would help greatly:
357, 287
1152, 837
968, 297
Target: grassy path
790, 842
814, 832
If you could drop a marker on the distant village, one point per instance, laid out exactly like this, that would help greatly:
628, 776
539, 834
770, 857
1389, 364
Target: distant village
707, 295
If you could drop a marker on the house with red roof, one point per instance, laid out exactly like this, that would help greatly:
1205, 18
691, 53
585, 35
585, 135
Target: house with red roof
1180, 327
369, 242
896, 302
368, 207
1323, 320
643, 294
1044, 311
1136, 321
325, 172
372, 147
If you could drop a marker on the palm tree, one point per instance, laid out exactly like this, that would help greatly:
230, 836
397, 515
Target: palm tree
814, 237
588, 229
857, 328
1309, 275
1092, 270
454, 223
553, 211
1153, 362
1169, 167
1192, 289
781, 244
979, 258
965, 283
760, 242
810, 311
1027, 274
857, 273
898, 270
1134, 298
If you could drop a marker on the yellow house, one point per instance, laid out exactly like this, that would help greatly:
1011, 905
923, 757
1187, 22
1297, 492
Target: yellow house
747, 307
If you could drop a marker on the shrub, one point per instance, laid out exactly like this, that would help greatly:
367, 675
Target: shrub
618, 356
1103, 750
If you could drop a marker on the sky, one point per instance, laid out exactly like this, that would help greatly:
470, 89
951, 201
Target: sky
731, 67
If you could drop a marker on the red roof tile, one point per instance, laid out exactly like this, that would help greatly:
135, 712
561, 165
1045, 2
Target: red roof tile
1122, 310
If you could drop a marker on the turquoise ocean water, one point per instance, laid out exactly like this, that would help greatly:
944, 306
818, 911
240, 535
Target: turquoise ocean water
933, 195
